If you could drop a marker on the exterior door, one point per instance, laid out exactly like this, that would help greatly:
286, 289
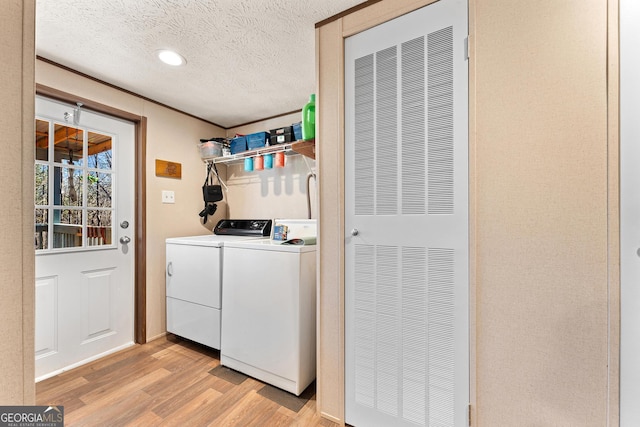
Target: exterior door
406, 212
84, 213
629, 214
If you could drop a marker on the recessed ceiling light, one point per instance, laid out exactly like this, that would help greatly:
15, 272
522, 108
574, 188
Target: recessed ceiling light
170, 57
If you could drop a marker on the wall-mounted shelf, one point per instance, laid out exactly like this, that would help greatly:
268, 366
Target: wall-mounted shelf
306, 148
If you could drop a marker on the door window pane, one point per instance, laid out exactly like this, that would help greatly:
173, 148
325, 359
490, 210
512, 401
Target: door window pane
42, 228
67, 186
41, 183
99, 189
67, 228
42, 140
100, 151
79, 175
98, 227
68, 145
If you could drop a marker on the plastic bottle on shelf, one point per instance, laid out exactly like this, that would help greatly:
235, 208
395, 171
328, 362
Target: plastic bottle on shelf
309, 118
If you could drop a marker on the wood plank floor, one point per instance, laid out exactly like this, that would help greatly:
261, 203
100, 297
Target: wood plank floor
165, 382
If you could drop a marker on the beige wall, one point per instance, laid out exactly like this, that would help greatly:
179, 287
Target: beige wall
17, 31
541, 223
171, 136
540, 200
275, 193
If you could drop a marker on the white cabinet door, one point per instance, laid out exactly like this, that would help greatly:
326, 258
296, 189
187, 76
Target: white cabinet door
196, 322
193, 289
406, 212
193, 273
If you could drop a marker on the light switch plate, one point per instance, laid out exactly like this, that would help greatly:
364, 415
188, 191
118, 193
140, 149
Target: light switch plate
168, 196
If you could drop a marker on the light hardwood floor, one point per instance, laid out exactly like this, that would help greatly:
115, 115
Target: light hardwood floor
165, 382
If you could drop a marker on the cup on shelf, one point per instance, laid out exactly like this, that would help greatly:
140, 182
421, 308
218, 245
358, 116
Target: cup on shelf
248, 164
280, 159
268, 161
258, 163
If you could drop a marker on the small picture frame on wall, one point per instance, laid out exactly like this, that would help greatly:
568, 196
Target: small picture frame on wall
168, 169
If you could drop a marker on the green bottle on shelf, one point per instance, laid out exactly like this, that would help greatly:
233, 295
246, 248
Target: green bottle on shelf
309, 118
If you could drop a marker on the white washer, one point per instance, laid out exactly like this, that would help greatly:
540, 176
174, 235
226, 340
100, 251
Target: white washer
194, 283
268, 321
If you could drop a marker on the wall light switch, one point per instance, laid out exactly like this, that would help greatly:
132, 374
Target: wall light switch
168, 196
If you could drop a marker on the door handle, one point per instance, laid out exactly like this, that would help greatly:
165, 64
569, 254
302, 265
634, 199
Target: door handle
124, 240
170, 269
355, 232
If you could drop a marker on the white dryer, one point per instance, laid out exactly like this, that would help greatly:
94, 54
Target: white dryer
269, 316
194, 278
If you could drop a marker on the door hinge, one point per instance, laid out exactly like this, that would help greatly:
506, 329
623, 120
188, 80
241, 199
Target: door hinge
469, 414
466, 48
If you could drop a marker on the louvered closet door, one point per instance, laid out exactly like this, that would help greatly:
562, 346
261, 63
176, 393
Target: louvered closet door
406, 265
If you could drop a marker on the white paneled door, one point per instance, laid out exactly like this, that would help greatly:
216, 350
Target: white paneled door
629, 214
84, 236
406, 218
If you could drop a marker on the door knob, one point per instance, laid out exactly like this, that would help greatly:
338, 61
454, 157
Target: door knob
355, 232
124, 240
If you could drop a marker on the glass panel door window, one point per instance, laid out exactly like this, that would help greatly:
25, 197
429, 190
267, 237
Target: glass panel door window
73, 187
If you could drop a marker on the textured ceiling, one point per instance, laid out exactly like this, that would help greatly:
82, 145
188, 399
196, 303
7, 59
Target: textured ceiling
246, 59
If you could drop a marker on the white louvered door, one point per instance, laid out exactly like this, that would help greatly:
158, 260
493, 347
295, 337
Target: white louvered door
406, 218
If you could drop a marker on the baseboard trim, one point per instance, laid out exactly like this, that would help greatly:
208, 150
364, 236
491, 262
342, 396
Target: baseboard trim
162, 335
332, 418
84, 361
